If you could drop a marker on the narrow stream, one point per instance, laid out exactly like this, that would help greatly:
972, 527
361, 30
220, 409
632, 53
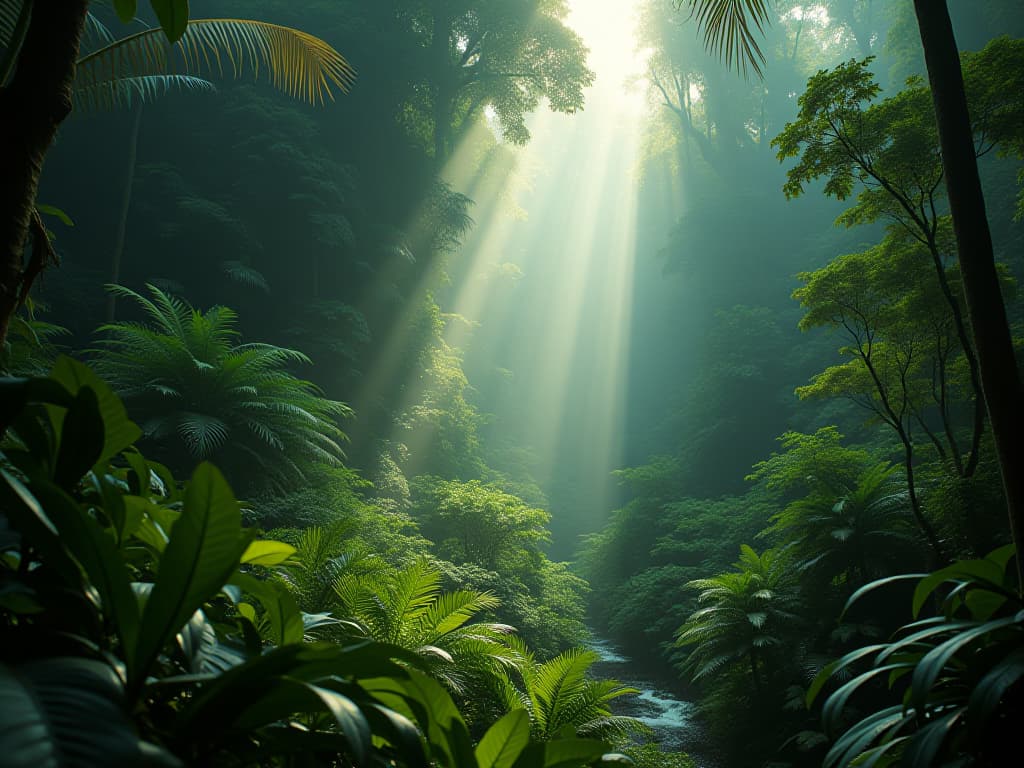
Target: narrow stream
670, 718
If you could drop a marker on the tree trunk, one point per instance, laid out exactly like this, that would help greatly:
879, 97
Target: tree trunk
35, 102
1000, 378
126, 204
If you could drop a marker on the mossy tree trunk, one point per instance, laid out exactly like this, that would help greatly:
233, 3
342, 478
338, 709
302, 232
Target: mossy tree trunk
32, 105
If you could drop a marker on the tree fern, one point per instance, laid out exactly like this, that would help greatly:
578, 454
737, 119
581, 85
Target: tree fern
200, 394
408, 608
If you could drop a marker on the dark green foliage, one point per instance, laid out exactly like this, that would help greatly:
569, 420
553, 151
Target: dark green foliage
173, 671
746, 615
201, 394
955, 679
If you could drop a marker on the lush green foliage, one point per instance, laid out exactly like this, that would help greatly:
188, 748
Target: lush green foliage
201, 394
138, 630
746, 615
955, 678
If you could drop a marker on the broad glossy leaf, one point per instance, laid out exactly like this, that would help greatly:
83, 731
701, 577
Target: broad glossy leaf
572, 753
504, 741
831, 715
204, 549
99, 556
878, 584
81, 439
861, 735
989, 692
27, 515
173, 17
125, 9
282, 612
930, 667
286, 697
267, 553
983, 572
119, 431
69, 713
399, 731
925, 746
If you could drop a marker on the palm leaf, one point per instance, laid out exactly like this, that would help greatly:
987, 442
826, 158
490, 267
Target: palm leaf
126, 92
301, 65
731, 29
11, 13
14, 18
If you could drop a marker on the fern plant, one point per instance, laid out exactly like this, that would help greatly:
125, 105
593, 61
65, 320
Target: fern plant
849, 531
408, 608
200, 394
745, 615
561, 697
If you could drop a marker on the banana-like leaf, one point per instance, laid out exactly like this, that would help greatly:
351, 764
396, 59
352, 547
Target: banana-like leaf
127, 92
504, 741
68, 713
300, 64
204, 549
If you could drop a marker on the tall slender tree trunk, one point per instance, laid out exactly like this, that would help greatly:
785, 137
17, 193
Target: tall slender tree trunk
997, 364
126, 204
32, 106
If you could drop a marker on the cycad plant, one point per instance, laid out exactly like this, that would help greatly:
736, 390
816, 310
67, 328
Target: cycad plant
407, 608
200, 394
746, 613
561, 698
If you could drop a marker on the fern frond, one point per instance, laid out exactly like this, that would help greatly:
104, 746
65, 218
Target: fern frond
245, 275
300, 64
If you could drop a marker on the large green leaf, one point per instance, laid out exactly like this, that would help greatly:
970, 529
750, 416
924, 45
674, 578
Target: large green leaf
205, 546
504, 741
285, 697
96, 551
28, 516
237, 687
930, 667
119, 431
983, 571
126, 9
81, 439
68, 713
282, 612
568, 753
267, 553
173, 17
400, 732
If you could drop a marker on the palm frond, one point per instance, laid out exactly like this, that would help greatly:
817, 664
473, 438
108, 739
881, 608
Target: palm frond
731, 29
11, 12
127, 92
96, 33
14, 19
300, 64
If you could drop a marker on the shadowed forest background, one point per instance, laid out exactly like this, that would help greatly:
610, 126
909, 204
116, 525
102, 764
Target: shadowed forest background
546, 332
